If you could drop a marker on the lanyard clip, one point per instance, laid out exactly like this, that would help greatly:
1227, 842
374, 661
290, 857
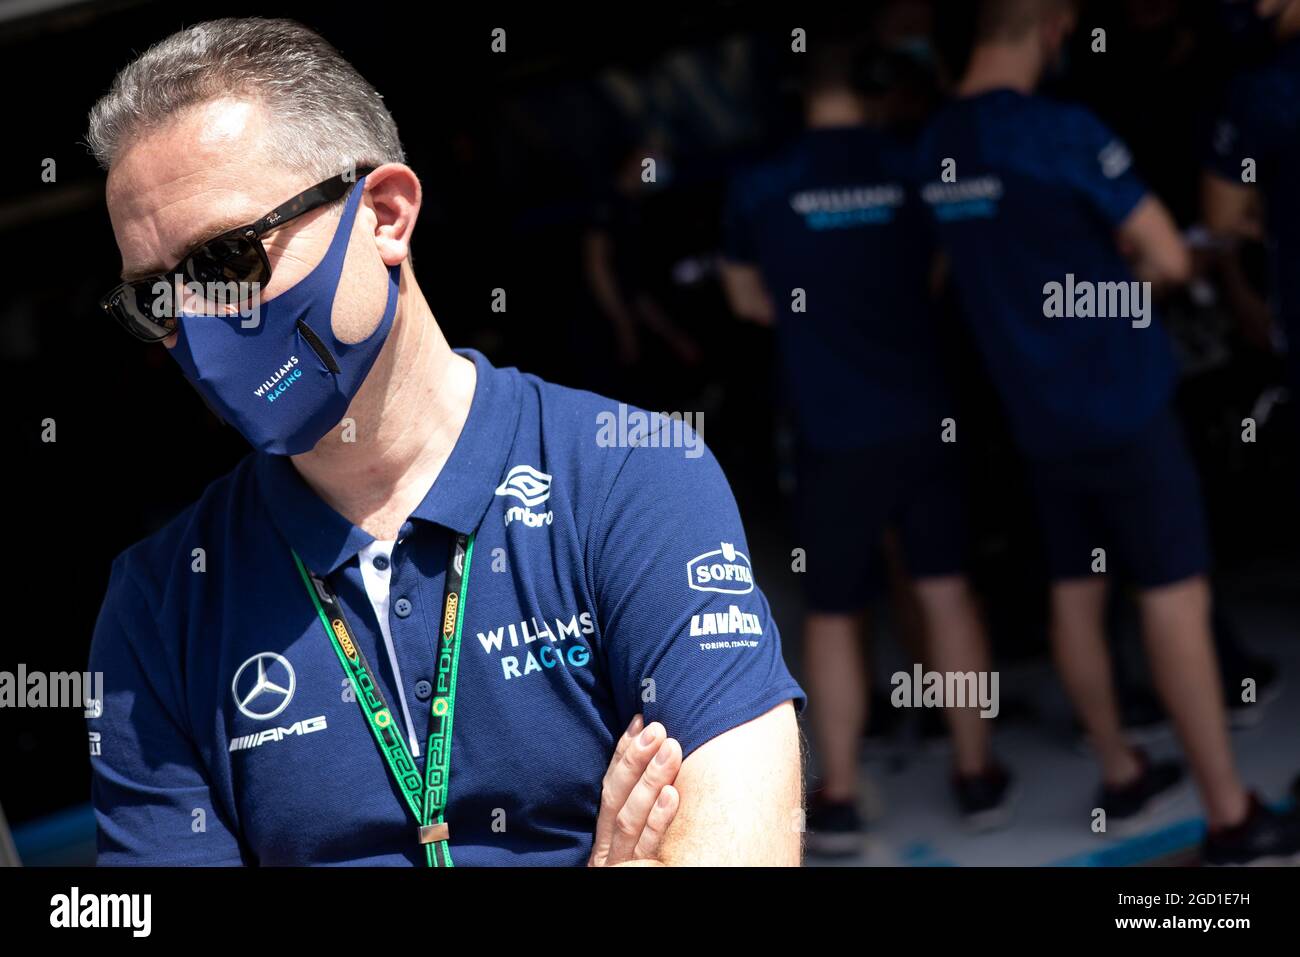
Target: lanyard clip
433, 833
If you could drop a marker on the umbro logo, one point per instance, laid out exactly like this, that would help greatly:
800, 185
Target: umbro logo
532, 488
526, 484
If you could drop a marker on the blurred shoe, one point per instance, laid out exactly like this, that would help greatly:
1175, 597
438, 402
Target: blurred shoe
1156, 786
834, 828
1263, 838
985, 799
1241, 714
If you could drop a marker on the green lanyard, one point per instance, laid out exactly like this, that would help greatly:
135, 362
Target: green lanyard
428, 799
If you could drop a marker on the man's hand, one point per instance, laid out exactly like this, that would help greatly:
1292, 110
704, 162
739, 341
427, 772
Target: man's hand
637, 798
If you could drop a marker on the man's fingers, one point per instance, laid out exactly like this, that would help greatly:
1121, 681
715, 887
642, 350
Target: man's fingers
626, 769
633, 752
656, 825
633, 731
632, 818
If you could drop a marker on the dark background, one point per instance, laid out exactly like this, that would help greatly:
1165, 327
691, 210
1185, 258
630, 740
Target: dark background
517, 153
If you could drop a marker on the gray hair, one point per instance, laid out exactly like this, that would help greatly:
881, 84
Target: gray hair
327, 117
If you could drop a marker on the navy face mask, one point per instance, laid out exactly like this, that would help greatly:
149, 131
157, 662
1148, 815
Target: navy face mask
287, 380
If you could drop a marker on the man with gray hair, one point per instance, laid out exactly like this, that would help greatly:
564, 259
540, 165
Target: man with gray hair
417, 536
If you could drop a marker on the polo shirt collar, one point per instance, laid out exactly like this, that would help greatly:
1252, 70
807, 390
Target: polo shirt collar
458, 499
468, 482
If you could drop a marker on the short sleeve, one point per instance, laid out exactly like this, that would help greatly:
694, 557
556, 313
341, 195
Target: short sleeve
739, 244
1100, 165
686, 630
148, 787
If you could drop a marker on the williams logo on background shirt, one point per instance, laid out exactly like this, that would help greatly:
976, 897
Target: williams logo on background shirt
974, 198
725, 570
532, 488
848, 206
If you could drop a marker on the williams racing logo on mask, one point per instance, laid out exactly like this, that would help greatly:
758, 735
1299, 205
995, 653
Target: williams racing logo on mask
279, 381
725, 570
530, 487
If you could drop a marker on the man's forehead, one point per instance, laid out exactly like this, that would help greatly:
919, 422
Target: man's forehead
203, 172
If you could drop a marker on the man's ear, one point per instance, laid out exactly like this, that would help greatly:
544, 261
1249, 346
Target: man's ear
393, 192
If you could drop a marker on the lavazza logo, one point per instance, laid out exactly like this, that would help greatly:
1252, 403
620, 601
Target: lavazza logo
532, 488
263, 687
733, 621
724, 570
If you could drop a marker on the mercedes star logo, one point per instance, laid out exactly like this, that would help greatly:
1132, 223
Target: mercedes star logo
265, 691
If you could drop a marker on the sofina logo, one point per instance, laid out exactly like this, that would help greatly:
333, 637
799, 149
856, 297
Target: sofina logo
532, 488
724, 570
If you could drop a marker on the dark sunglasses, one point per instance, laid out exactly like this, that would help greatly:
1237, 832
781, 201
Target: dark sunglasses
147, 307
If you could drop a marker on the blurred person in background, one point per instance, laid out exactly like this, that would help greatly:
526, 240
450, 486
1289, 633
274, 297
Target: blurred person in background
827, 242
1248, 190
614, 265
1028, 192
1151, 82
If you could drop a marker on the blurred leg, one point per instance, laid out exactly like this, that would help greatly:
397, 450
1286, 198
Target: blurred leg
903, 601
837, 695
1083, 662
1176, 628
956, 643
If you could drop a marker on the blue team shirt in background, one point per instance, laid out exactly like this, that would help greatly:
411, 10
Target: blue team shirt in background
833, 215
606, 580
1260, 120
1040, 188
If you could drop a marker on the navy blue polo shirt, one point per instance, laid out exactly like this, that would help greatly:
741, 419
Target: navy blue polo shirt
1260, 120
833, 215
1040, 189
606, 580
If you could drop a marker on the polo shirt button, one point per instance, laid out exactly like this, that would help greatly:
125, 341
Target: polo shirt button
423, 690
380, 562
402, 607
